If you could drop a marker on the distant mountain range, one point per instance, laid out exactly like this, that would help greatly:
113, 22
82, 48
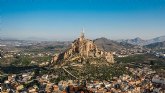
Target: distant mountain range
102, 43
110, 45
156, 45
139, 41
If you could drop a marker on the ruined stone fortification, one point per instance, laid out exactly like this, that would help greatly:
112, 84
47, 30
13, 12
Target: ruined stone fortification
85, 48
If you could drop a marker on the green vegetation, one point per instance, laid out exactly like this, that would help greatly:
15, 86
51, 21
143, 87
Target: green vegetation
102, 72
129, 59
155, 62
88, 71
22, 60
93, 72
6, 61
26, 60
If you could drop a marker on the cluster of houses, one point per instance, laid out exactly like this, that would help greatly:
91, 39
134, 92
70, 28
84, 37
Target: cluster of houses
142, 80
159, 54
124, 52
34, 57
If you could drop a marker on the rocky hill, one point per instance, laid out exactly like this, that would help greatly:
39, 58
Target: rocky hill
155, 40
135, 41
156, 45
110, 45
82, 49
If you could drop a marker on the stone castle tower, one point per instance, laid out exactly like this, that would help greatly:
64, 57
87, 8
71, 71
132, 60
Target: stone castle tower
82, 37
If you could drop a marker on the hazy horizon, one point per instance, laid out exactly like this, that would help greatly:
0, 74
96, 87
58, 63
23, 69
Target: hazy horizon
63, 20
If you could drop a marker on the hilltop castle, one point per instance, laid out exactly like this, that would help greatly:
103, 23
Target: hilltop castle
84, 48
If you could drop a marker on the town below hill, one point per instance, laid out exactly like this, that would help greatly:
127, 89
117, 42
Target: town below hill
31, 66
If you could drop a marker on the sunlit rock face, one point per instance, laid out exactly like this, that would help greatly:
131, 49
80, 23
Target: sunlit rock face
84, 48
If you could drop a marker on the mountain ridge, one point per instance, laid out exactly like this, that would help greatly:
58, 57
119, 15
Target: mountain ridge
156, 45
142, 42
110, 45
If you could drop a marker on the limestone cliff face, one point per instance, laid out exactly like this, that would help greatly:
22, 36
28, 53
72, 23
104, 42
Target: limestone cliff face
84, 48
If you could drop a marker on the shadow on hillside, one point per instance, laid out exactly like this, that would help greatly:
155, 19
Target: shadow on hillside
16, 70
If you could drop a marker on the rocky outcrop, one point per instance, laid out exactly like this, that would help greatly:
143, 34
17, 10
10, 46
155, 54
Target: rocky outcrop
84, 48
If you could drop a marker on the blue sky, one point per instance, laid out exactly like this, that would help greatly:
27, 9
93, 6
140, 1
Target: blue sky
64, 19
